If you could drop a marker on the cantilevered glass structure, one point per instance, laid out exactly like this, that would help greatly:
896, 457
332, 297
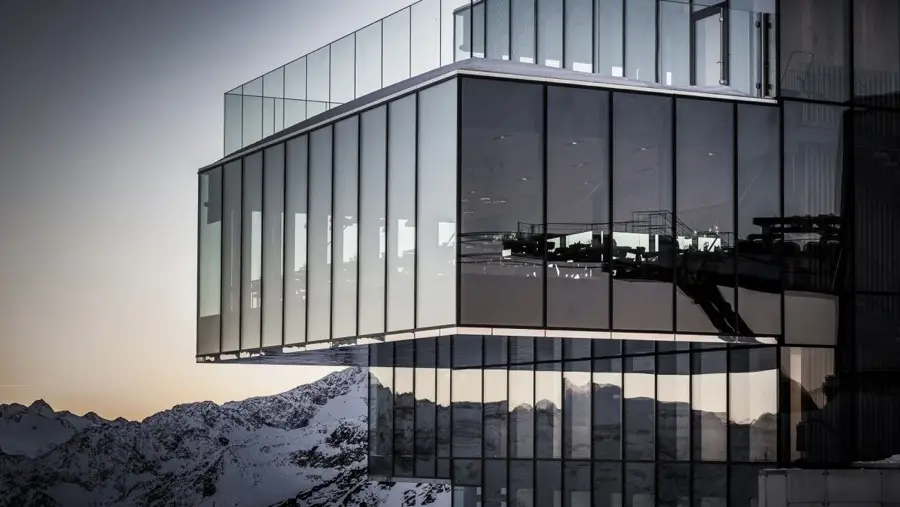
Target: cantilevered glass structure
576, 285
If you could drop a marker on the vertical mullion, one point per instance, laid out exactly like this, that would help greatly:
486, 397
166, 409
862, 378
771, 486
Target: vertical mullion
309, 220
544, 154
416, 241
563, 34
610, 210
657, 69
387, 216
359, 222
262, 245
240, 274
284, 217
334, 227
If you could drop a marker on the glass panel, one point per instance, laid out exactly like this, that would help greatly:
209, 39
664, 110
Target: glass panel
209, 263
320, 227
608, 484
521, 411
495, 350
577, 208
577, 348
578, 484
753, 404
710, 485
643, 249
401, 231
813, 197
495, 483
675, 43
744, 487
759, 203
381, 408
521, 349
295, 241
497, 29
273, 90
346, 237
404, 408
815, 49
273, 248
705, 217
466, 472
295, 92
744, 48
815, 432
523, 31
231, 259
443, 429
467, 351
550, 32
709, 405
609, 22
372, 202
467, 413
436, 249
368, 59
876, 43
314, 108
456, 26
501, 180
425, 33
607, 410
396, 48
674, 485
426, 395
317, 75
639, 484
549, 485
576, 409
673, 409
578, 35
252, 129
343, 80
708, 51
640, 43
521, 483
640, 393
548, 407
233, 122
496, 412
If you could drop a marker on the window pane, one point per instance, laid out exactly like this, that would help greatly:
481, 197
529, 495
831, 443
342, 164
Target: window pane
346, 252
466, 413
577, 410
753, 404
231, 259
705, 217
640, 43
673, 409
404, 408
675, 43
759, 199
373, 181
252, 115
497, 29
523, 31
368, 59
436, 249
813, 196
496, 412
643, 249
426, 394
401, 232
639, 484
674, 485
478, 30
456, 26
381, 408
396, 48
815, 429
295, 241
295, 92
425, 34
549, 484
209, 310
272, 248
814, 50
548, 406
875, 40
710, 485
579, 35
607, 410
709, 406
521, 411
443, 428
320, 227
495, 483
521, 483
577, 208
342, 70
273, 91
609, 22
578, 484
233, 122
640, 393
501, 182
608, 484
317, 75
550, 33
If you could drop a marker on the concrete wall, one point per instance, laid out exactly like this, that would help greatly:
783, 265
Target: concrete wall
871, 487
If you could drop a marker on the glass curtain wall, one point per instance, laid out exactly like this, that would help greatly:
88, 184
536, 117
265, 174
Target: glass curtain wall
722, 46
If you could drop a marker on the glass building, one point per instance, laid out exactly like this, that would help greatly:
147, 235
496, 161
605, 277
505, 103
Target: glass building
593, 253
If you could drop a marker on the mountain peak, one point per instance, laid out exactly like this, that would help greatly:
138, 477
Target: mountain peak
41, 407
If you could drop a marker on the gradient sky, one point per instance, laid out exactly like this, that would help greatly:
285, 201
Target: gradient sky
107, 109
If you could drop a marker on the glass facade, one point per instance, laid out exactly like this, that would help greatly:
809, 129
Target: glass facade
725, 47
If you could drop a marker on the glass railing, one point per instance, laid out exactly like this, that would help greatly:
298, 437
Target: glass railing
711, 44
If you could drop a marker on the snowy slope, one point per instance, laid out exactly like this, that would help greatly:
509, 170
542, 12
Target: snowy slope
306, 446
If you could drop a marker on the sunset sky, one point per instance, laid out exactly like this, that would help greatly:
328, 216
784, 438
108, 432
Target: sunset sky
107, 109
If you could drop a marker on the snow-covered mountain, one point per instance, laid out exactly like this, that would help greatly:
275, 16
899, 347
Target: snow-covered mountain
305, 447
